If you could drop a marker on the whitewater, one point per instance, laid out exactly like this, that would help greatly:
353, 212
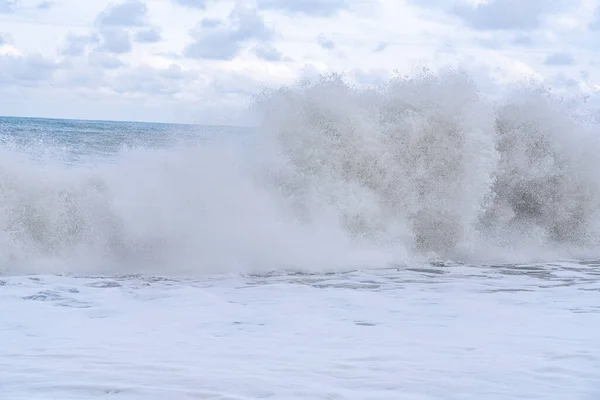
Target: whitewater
417, 240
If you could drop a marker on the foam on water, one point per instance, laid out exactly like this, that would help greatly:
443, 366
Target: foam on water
337, 177
442, 332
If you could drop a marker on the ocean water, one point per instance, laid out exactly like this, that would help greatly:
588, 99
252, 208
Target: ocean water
411, 241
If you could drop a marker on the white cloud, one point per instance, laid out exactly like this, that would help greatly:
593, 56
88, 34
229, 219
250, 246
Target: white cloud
7, 6
85, 77
27, 70
595, 23
522, 40
220, 40
115, 40
562, 81
201, 4
148, 35
320, 8
116, 23
381, 47
560, 58
44, 5
128, 13
5, 39
146, 80
267, 52
202, 61
76, 45
500, 15
104, 61
236, 83
325, 42
508, 14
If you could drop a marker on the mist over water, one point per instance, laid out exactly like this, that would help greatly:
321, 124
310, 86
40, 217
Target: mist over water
429, 164
335, 177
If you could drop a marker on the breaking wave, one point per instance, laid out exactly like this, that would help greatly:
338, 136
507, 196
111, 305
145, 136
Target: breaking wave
424, 167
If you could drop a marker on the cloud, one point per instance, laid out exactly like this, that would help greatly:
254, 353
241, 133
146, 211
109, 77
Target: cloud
325, 43
115, 40
217, 45
210, 23
127, 51
156, 81
508, 14
595, 24
315, 8
563, 81
44, 5
104, 61
27, 70
560, 58
5, 38
87, 77
148, 35
219, 40
522, 40
267, 52
7, 6
136, 81
236, 83
201, 4
381, 47
130, 13
490, 43
76, 45
113, 32
248, 24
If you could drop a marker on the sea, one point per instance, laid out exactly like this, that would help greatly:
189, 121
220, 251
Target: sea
417, 241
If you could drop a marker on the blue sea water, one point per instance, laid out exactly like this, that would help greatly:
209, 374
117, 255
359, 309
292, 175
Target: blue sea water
334, 253
82, 139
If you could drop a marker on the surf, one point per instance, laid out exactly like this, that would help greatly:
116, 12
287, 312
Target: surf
334, 176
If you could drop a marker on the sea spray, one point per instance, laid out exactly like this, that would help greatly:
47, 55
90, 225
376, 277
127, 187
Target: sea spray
430, 163
334, 177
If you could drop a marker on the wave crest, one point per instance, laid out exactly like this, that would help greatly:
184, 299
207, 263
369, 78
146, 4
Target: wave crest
429, 162
336, 176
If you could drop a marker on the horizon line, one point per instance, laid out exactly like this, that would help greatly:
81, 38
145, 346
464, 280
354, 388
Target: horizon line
124, 121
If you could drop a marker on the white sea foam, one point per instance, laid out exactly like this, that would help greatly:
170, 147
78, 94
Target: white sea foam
527, 332
336, 177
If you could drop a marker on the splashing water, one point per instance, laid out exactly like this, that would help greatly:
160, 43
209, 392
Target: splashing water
335, 177
431, 164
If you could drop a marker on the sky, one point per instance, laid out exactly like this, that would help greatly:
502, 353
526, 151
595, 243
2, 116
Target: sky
203, 61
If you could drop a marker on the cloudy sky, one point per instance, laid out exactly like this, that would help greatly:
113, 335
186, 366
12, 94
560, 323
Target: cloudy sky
201, 61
